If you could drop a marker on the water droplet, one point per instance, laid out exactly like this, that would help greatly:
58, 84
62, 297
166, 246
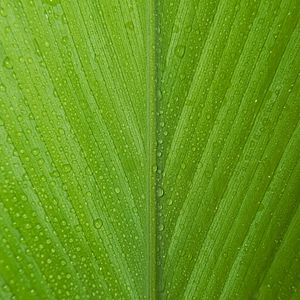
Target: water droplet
2, 87
63, 262
2, 12
117, 190
160, 192
7, 63
129, 25
154, 168
35, 151
67, 167
28, 226
180, 51
98, 223
188, 28
161, 227
64, 40
51, 2
159, 94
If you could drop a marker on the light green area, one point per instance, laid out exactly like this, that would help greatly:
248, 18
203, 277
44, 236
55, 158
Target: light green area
149, 149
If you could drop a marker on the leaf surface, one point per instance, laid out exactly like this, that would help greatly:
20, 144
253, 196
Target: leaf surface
149, 149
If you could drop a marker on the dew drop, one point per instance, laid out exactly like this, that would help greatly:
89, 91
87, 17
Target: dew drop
2, 87
28, 226
51, 2
154, 168
98, 223
67, 167
117, 190
161, 227
35, 152
63, 262
129, 25
2, 12
180, 51
160, 192
64, 40
7, 63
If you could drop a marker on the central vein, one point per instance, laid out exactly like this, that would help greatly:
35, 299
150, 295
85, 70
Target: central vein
151, 253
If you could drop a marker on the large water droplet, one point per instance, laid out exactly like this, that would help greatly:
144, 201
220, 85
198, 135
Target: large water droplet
160, 192
161, 227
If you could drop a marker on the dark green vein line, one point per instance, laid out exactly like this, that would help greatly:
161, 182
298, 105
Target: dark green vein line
151, 254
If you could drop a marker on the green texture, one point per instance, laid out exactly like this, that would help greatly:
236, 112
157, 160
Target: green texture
149, 149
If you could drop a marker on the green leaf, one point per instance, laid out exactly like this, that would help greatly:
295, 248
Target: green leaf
149, 149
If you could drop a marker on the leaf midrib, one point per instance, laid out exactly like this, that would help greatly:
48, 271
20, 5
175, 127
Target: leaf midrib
151, 222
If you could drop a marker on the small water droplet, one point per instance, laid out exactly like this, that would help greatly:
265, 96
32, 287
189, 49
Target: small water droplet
51, 2
180, 51
67, 167
2, 12
28, 226
98, 223
63, 262
35, 151
129, 25
7, 63
64, 40
2, 87
117, 190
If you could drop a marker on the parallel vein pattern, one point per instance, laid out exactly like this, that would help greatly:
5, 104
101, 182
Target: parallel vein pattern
149, 149
73, 140
229, 149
